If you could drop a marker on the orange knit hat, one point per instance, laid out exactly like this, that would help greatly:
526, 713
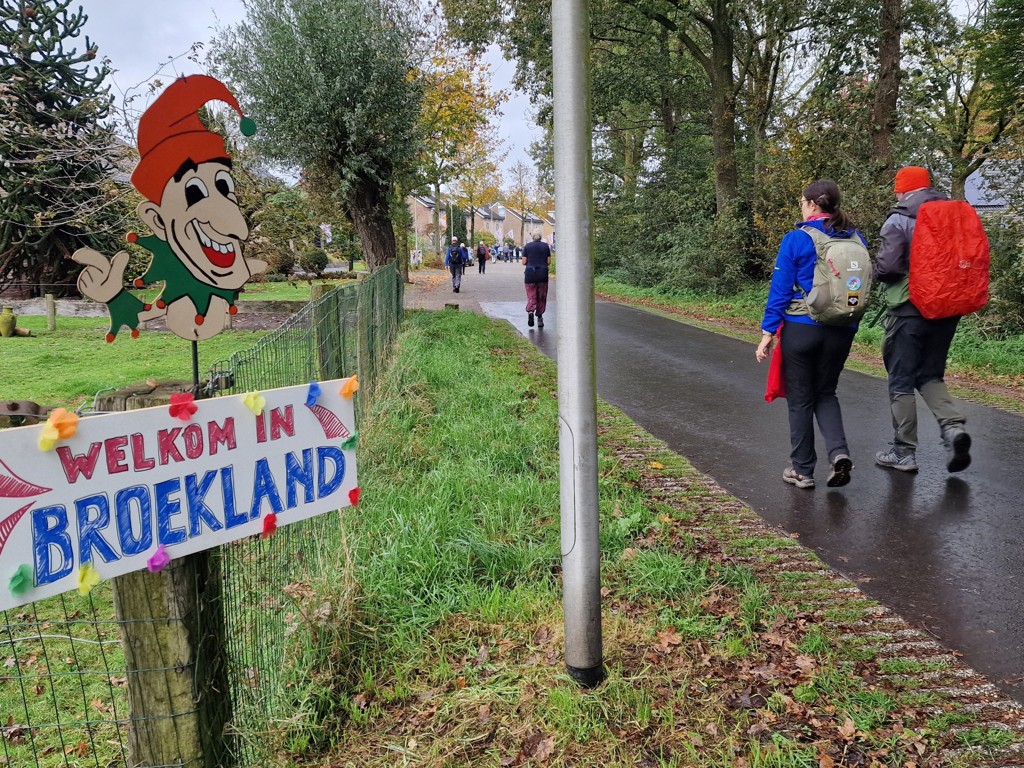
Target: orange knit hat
170, 132
912, 177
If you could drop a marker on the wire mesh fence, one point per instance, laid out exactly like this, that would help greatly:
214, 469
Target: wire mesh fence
65, 685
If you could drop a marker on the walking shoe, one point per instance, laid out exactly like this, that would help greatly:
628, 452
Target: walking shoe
540, 324
793, 477
958, 449
893, 460
529, 319
839, 475
456, 289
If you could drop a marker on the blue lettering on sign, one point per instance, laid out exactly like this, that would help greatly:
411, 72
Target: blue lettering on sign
49, 530
227, 486
90, 528
198, 512
296, 475
325, 486
130, 543
264, 487
166, 508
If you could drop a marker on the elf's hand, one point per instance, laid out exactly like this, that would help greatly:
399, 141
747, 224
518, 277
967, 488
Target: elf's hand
103, 278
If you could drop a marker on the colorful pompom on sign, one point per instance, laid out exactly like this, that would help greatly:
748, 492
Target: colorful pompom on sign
22, 581
88, 577
313, 395
60, 425
350, 387
183, 406
255, 402
159, 560
269, 526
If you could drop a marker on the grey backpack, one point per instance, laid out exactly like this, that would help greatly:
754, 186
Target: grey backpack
842, 279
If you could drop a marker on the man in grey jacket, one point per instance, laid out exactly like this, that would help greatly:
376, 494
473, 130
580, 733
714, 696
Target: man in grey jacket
915, 348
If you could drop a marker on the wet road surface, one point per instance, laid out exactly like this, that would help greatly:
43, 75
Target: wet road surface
942, 550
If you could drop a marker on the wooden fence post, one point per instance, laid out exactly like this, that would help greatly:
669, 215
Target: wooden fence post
173, 634
321, 331
51, 312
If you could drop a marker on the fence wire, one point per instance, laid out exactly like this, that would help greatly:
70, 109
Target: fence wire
64, 683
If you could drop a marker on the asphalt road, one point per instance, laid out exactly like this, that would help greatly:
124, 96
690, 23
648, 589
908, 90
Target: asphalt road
942, 550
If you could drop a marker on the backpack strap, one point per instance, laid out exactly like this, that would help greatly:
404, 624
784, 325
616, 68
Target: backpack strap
819, 239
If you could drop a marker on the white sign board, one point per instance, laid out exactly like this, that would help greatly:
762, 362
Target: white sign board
127, 483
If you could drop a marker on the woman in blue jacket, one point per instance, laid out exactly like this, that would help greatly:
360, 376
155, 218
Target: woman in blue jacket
813, 354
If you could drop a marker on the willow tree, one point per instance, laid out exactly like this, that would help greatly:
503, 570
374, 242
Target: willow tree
329, 85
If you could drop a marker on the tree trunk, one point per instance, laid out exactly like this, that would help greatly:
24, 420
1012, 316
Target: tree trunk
887, 89
958, 181
437, 218
402, 223
723, 114
371, 218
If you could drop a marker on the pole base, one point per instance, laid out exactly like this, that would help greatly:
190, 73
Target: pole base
588, 677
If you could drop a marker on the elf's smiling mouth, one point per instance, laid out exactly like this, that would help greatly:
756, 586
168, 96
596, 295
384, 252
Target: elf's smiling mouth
219, 254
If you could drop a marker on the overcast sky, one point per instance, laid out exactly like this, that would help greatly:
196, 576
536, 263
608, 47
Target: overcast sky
141, 37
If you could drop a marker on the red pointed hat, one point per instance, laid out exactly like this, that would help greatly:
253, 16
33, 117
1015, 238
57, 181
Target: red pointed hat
170, 132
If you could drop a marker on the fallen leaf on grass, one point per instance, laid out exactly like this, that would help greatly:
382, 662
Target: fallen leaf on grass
100, 706
484, 713
655, 465
848, 729
539, 746
667, 639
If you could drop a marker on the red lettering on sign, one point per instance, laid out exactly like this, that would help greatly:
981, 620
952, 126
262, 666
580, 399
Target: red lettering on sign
282, 420
78, 464
225, 434
165, 444
193, 441
114, 448
140, 461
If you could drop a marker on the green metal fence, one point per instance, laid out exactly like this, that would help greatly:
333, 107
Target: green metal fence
62, 683
274, 638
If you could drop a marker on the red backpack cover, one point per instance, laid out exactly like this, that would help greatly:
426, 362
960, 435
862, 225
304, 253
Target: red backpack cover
949, 258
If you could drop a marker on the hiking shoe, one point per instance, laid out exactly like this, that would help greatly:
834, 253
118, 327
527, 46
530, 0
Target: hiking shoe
540, 324
958, 449
839, 475
893, 460
793, 477
529, 319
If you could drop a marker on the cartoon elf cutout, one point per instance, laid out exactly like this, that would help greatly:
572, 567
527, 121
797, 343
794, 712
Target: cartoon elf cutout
184, 173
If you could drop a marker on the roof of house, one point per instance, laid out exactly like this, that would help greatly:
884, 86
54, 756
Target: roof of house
982, 188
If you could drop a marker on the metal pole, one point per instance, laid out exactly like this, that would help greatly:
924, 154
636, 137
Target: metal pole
195, 368
577, 389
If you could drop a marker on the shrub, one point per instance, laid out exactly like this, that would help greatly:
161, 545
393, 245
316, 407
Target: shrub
280, 262
314, 262
1004, 315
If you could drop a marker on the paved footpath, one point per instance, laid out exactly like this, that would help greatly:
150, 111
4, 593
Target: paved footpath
943, 550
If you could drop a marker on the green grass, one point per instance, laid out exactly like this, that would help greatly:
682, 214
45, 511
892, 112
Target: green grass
68, 366
426, 629
63, 675
456, 551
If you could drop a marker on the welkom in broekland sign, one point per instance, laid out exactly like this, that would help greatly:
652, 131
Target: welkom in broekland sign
90, 499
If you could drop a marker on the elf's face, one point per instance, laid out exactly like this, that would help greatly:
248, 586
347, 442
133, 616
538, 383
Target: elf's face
199, 218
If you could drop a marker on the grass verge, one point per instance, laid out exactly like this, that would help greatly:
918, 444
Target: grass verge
985, 370
726, 643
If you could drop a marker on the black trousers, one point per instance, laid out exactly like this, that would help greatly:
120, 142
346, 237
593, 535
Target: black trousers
915, 351
813, 356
